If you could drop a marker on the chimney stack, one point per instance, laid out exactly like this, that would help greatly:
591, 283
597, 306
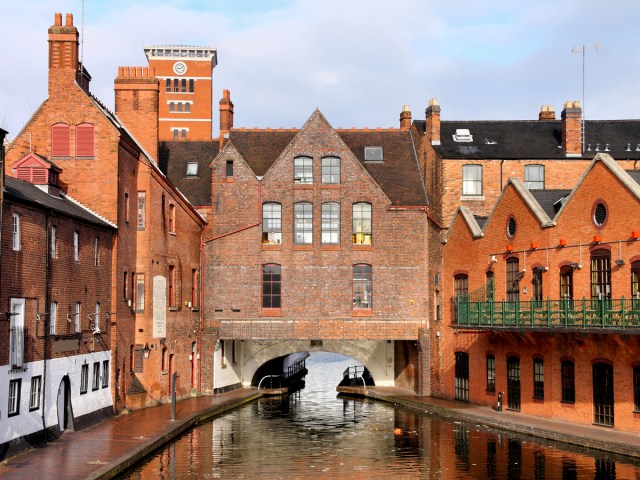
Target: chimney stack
572, 129
547, 113
432, 124
405, 118
63, 53
226, 115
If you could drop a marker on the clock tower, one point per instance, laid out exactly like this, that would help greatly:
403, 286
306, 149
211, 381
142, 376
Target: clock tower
184, 100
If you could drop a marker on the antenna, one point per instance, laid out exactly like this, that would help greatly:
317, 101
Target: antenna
580, 49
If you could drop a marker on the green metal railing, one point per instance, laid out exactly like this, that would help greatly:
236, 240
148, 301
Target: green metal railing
595, 314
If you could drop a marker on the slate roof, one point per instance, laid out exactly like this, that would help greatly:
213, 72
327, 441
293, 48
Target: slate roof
260, 148
635, 174
548, 198
21, 191
173, 158
535, 139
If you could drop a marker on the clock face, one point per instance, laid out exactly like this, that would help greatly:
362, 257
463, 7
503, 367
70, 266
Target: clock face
180, 68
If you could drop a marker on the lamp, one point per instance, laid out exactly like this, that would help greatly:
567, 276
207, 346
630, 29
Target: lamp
520, 275
574, 265
146, 351
620, 262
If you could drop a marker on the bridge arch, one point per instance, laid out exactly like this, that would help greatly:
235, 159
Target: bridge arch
376, 355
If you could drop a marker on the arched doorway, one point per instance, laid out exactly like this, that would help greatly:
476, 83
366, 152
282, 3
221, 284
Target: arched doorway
65, 412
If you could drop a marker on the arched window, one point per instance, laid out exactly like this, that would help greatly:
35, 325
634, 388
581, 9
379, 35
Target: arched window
271, 286
513, 279
362, 282
566, 283
303, 170
272, 223
60, 140
601, 274
635, 284
303, 223
330, 223
362, 231
85, 140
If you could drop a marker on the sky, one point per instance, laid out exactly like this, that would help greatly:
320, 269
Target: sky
358, 61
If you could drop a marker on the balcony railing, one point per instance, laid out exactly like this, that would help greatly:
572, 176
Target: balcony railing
608, 314
16, 347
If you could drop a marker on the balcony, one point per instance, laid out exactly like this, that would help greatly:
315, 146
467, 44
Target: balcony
604, 316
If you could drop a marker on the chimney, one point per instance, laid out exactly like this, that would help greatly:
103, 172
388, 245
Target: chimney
547, 113
432, 124
572, 129
136, 92
63, 53
226, 114
405, 118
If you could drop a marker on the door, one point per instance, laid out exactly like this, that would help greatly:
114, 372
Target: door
603, 394
513, 383
65, 413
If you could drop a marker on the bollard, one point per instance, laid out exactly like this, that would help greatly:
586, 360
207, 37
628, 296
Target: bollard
499, 408
173, 395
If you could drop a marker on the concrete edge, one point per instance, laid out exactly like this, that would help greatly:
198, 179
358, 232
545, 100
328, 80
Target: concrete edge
608, 446
115, 467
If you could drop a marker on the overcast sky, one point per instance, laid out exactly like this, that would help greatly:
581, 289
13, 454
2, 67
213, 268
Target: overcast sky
358, 61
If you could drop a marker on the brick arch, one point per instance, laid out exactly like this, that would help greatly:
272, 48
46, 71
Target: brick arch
372, 354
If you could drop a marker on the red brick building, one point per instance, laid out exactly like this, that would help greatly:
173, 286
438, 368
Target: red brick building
155, 272
542, 298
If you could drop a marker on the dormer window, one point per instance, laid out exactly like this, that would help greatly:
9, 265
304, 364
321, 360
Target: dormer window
373, 154
192, 169
463, 135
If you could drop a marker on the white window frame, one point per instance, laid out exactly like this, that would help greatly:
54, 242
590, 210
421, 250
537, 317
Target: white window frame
534, 169
53, 317
192, 169
96, 252
54, 244
271, 223
76, 247
96, 318
77, 317
16, 232
16, 337
13, 408
105, 373
84, 378
35, 393
470, 183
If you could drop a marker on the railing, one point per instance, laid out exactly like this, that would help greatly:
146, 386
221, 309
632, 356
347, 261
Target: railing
617, 314
351, 375
16, 347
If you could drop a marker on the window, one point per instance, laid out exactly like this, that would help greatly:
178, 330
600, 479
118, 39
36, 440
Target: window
172, 106
191, 85
538, 379
511, 227
272, 223
183, 83
85, 140
491, 373
53, 317
636, 389
164, 359
373, 154
472, 180
172, 286
566, 283
84, 378
172, 218
95, 385
176, 88
180, 106
303, 223
330, 223
16, 332
96, 318
54, 243
168, 85
534, 177
513, 383
60, 140
140, 292
362, 224
183, 133
460, 285
303, 170
362, 298
125, 285
96, 252
194, 288
126, 207
536, 284
142, 207
513, 280
462, 376
601, 274
16, 232
105, 373
133, 286
271, 286
600, 214
34, 396
192, 169
14, 397
229, 169
176, 133
331, 170
76, 247
603, 404
77, 317
568, 381
138, 358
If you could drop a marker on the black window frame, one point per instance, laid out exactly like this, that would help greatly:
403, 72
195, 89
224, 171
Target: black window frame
461, 379
84, 378
538, 378
513, 279
491, 372
568, 381
271, 286
600, 274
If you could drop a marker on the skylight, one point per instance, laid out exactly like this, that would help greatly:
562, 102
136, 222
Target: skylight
463, 135
373, 154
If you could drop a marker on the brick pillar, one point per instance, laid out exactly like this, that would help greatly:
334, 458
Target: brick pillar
572, 129
136, 92
547, 113
432, 125
226, 115
63, 54
424, 363
405, 118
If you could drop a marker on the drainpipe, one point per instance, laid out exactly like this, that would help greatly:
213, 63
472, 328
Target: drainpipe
501, 163
46, 323
201, 301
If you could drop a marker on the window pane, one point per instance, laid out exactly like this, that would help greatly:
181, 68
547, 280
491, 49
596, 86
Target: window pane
331, 170
272, 223
472, 180
362, 223
271, 286
534, 177
303, 223
302, 170
330, 223
362, 286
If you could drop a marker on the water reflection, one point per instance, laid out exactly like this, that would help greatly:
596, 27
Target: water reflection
314, 434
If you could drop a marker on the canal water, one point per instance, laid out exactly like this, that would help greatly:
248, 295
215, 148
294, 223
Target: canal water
314, 434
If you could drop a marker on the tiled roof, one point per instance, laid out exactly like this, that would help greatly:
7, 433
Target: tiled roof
535, 139
260, 148
550, 200
173, 158
22, 191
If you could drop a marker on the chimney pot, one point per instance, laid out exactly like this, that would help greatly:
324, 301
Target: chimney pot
69, 22
405, 118
58, 20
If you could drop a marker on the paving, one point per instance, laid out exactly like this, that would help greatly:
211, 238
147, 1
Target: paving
106, 449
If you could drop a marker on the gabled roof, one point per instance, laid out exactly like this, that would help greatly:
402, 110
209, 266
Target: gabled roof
534, 139
550, 200
260, 148
472, 222
174, 157
21, 191
32, 159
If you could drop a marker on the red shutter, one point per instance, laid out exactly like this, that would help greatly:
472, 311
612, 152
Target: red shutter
84, 140
60, 140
